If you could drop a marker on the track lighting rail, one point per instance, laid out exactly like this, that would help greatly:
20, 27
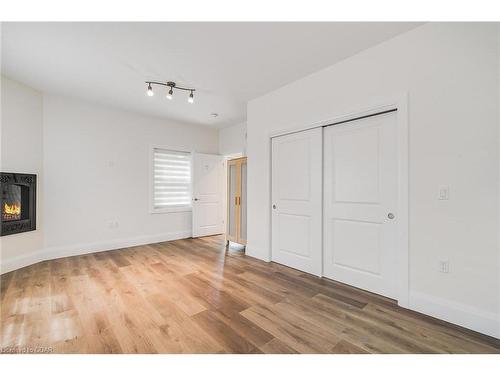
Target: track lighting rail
172, 85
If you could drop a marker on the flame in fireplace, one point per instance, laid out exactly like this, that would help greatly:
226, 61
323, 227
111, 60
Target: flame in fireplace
13, 209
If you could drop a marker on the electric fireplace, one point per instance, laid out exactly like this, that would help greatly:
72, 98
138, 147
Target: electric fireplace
18, 204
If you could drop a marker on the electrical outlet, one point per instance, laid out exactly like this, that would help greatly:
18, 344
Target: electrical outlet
444, 266
112, 224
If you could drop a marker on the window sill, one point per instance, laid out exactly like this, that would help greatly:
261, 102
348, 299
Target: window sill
168, 210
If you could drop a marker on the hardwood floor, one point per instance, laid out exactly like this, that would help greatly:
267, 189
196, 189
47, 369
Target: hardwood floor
190, 296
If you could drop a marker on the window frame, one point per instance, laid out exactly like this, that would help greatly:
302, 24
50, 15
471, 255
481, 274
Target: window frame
165, 210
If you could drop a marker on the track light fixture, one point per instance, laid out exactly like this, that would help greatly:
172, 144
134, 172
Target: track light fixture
150, 90
171, 85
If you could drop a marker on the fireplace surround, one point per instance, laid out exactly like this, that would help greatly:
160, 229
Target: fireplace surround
18, 203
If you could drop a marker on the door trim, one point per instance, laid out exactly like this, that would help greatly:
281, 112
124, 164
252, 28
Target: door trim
399, 103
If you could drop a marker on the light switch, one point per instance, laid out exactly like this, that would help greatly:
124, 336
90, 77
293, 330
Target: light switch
444, 266
444, 192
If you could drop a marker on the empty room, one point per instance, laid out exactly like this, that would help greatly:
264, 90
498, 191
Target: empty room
250, 188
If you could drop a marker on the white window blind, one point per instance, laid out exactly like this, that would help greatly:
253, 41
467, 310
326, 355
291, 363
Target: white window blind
172, 179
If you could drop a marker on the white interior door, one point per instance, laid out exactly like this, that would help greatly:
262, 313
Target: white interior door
296, 200
207, 187
360, 199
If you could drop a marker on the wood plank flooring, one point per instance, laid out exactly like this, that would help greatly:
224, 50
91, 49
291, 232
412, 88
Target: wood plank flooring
191, 296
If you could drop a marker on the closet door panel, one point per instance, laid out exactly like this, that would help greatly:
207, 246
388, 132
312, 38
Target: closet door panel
359, 203
297, 199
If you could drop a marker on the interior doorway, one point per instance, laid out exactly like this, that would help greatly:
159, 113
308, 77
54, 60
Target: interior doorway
235, 201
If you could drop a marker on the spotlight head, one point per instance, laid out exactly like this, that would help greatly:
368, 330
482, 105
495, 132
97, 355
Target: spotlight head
150, 90
170, 93
191, 98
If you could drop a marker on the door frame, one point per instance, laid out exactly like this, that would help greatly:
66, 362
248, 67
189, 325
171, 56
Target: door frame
399, 103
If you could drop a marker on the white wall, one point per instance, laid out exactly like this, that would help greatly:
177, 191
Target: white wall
232, 140
450, 72
95, 168
21, 152
97, 172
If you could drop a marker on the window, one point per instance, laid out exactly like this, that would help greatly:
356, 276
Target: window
171, 180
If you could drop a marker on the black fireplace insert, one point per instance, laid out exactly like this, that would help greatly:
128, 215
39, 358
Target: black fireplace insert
18, 203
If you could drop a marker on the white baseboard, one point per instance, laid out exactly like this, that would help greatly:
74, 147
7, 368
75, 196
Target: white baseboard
466, 316
21, 261
86, 248
254, 253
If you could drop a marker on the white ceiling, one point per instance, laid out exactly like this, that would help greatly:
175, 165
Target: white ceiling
227, 63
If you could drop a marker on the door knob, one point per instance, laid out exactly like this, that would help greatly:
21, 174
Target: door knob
274, 206
390, 215
195, 199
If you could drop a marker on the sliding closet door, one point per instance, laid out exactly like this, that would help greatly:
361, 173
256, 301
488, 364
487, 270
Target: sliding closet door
297, 199
360, 185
